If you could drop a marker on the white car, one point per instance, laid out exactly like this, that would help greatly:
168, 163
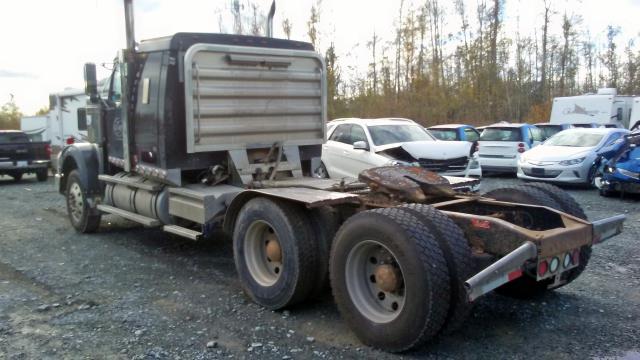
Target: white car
354, 145
500, 145
569, 156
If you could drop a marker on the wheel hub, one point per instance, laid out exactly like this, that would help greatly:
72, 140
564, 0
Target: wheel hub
387, 278
273, 250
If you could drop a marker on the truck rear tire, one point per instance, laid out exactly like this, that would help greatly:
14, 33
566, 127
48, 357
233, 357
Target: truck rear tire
525, 287
77, 206
457, 254
42, 174
390, 279
569, 205
273, 248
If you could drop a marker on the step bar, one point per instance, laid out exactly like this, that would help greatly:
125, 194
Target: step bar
150, 222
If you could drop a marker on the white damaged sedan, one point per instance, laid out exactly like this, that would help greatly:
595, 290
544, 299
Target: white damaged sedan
569, 156
354, 145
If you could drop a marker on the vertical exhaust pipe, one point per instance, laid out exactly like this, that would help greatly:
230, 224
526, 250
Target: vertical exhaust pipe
272, 12
128, 20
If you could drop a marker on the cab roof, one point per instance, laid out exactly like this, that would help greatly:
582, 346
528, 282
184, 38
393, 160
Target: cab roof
183, 40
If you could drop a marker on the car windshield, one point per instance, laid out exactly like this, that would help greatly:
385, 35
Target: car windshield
501, 134
575, 139
444, 134
549, 130
391, 134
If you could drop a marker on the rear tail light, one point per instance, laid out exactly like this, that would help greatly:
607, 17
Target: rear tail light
47, 149
521, 145
543, 266
576, 256
70, 140
521, 150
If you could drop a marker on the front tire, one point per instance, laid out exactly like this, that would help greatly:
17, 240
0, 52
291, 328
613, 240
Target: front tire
389, 279
80, 214
273, 249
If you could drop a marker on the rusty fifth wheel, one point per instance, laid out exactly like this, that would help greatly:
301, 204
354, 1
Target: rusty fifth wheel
390, 279
274, 252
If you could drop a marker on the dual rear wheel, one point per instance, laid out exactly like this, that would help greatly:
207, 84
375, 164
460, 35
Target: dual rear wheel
396, 274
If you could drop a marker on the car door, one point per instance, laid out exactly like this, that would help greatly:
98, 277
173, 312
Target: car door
357, 160
334, 151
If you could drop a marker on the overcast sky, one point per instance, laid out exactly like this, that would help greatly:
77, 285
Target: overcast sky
45, 43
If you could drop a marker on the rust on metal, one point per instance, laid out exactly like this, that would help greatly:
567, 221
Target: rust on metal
411, 183
274, 253
387, 278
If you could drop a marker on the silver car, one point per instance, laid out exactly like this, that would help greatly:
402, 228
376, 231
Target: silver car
568, 156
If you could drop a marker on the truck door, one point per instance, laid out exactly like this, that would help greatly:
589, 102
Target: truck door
113, 116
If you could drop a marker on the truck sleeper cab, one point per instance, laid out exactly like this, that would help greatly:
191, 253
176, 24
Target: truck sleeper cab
222, 131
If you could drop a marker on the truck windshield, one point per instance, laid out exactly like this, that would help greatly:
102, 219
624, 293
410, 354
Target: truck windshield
392, 134
444, 134
501, 134
13, 138
575, 139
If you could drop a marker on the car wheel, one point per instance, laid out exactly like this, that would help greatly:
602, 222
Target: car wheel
321, 172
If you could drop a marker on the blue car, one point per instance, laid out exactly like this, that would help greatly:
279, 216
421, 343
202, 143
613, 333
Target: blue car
621, 174
455, 132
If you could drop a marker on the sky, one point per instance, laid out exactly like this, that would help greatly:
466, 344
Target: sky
45, 43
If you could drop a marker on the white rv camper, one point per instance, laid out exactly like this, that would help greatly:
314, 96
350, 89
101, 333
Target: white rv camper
635, 114
606, 108
36, 127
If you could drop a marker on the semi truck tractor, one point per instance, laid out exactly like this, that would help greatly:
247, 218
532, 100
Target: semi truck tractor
200, 132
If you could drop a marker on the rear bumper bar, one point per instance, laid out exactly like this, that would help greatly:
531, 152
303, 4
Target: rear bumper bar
607, 228
511, 266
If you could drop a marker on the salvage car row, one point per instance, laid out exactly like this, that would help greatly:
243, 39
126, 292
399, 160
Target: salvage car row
579, 155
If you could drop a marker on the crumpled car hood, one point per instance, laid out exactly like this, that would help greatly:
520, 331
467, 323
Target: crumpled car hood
437, 150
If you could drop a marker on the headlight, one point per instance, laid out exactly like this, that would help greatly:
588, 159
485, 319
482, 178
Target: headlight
397, 163
572, 161
630, 174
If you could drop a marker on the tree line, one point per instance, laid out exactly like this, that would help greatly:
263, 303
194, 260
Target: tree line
481, 74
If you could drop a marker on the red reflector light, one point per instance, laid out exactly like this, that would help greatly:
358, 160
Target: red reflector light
47, 149
521, 150
521, 145
70, 140
543, 266
575, 257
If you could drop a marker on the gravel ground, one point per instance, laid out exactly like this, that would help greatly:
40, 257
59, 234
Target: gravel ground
129, 292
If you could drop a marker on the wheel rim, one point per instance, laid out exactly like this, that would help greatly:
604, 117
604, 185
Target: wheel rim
375, 281
321, 172
263, 253
76, 202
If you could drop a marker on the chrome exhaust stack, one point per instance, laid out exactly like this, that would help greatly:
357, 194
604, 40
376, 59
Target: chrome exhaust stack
128, 21
272, 12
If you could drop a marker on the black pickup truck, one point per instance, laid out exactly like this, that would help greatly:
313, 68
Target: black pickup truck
19, 155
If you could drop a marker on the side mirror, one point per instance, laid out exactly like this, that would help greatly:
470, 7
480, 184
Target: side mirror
360, 145
90, 82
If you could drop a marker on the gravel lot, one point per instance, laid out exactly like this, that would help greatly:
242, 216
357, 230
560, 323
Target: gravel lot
130, 292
